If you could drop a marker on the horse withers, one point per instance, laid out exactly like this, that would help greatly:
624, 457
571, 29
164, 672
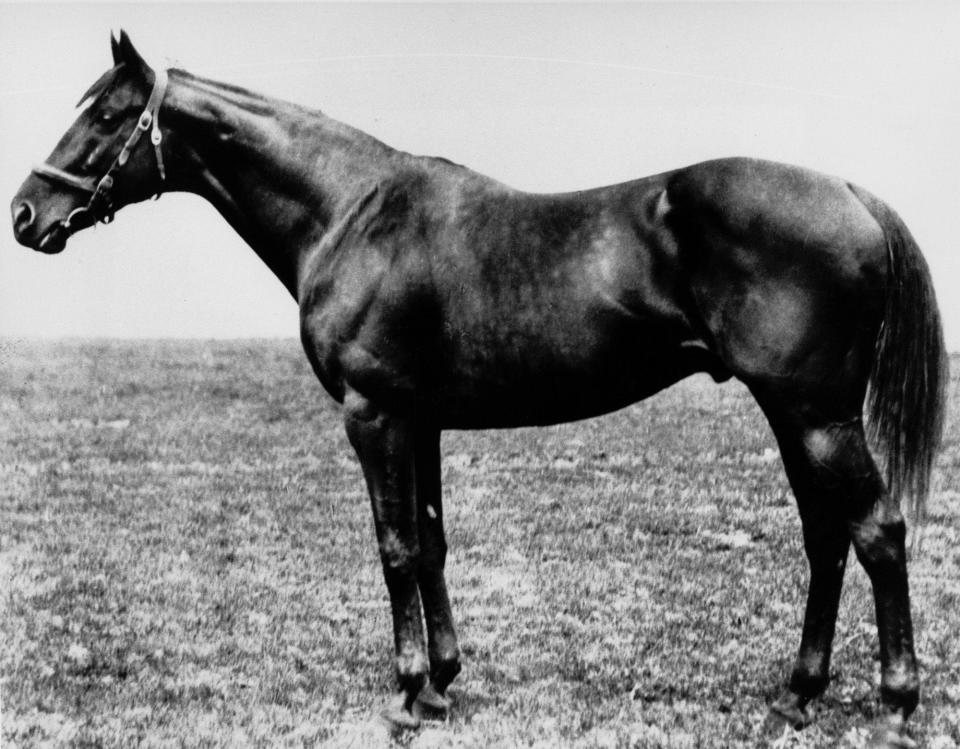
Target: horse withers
432, 298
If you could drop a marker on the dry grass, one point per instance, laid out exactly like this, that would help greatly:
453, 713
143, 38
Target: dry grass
187, 559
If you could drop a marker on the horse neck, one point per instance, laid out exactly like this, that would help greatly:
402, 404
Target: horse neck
278, 173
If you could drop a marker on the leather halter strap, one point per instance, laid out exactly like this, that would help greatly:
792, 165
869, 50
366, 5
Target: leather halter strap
100, 205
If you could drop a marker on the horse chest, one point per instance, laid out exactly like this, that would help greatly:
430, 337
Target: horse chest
357, 334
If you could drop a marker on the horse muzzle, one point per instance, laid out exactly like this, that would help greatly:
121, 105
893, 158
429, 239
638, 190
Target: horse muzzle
53, 238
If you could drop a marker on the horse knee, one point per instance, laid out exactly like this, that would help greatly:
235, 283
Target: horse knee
397, 556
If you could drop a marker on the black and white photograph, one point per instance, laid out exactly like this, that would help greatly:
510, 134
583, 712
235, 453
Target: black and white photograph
480, 375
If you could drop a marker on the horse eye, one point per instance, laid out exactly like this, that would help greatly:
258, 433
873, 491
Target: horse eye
106, 117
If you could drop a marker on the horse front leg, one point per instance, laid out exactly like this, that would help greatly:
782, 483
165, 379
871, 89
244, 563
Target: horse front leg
385, 445
441, 635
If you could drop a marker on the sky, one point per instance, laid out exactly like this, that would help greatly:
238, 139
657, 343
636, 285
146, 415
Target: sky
542, 97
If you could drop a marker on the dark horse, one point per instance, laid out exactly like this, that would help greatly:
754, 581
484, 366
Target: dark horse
433, 298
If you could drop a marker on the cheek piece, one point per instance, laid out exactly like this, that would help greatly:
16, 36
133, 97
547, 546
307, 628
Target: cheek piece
100, 207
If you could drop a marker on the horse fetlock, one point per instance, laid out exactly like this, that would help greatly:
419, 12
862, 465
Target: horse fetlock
432, 703
809, 680
444, 670
900, 690
412, 670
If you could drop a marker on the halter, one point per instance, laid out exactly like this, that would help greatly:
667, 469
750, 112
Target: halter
100, 205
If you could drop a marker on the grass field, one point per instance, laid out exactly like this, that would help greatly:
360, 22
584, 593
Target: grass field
187, 559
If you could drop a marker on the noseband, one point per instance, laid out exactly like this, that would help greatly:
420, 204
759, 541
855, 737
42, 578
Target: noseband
100, 206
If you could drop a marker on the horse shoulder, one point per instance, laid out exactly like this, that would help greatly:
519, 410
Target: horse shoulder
367, 305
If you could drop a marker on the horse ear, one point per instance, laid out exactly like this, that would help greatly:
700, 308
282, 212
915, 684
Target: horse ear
115, 48
124, 53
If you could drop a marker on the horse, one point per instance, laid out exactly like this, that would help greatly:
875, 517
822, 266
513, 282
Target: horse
432, 298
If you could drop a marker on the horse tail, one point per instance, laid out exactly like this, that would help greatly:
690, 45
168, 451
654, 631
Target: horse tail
908, 382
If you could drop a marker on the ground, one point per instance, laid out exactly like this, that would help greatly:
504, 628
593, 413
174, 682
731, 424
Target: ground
187, 559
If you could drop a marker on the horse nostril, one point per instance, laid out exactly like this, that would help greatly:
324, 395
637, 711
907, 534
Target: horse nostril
23, 217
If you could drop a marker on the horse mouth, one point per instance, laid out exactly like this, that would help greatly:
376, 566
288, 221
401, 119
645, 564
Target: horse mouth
54, 239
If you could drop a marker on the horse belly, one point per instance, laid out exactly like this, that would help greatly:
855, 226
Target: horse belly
576, 371
582, 325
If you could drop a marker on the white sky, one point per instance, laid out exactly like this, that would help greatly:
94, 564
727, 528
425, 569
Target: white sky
543, 97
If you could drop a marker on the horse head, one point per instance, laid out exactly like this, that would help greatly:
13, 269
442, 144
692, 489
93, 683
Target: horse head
101, 163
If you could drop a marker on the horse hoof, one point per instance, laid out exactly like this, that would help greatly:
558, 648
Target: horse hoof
398, 716
431, 705
889, 734
781, 716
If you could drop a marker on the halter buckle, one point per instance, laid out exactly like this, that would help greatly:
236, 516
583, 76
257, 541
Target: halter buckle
106, 184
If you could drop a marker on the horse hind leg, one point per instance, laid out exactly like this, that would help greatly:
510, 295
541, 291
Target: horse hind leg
827, 543
842, 500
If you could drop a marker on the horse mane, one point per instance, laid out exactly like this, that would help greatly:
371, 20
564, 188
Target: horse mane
238, 96
101, 84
